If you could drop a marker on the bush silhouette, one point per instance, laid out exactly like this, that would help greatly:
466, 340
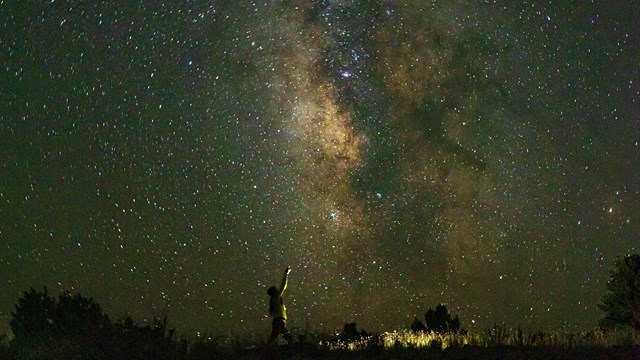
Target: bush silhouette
438, 320
351, 333
418, 325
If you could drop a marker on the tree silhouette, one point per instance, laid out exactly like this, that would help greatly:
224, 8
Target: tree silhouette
69, 325
32, 321
418, 325
438, 320
79, 317
621, 303
351, 333
75, 327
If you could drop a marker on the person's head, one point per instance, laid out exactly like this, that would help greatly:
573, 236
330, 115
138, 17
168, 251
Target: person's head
272, 291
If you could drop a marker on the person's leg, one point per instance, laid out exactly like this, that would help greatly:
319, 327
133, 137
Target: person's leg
275, 332
286, 334
288, 337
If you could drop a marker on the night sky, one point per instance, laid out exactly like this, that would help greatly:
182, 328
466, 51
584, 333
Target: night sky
397, 154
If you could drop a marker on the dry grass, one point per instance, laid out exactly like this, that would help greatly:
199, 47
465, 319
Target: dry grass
495, 337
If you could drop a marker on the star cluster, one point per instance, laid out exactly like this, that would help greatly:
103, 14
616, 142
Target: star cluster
397, 154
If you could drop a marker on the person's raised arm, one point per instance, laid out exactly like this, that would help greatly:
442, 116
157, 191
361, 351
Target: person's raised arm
285, 279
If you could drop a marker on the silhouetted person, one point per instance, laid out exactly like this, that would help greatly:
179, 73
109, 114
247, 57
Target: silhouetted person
278, 311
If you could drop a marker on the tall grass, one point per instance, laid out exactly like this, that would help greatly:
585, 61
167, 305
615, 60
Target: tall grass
496, 336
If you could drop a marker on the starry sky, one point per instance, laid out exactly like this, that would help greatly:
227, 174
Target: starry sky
177, 156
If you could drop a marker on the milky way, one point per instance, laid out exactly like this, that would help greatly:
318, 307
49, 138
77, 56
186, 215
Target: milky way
397, 154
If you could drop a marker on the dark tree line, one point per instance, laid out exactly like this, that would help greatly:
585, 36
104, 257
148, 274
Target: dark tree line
73, 326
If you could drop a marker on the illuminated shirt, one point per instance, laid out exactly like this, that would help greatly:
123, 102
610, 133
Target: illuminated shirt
276, 304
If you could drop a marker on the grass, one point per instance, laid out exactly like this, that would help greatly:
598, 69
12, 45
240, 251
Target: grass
495, 337
497, 342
